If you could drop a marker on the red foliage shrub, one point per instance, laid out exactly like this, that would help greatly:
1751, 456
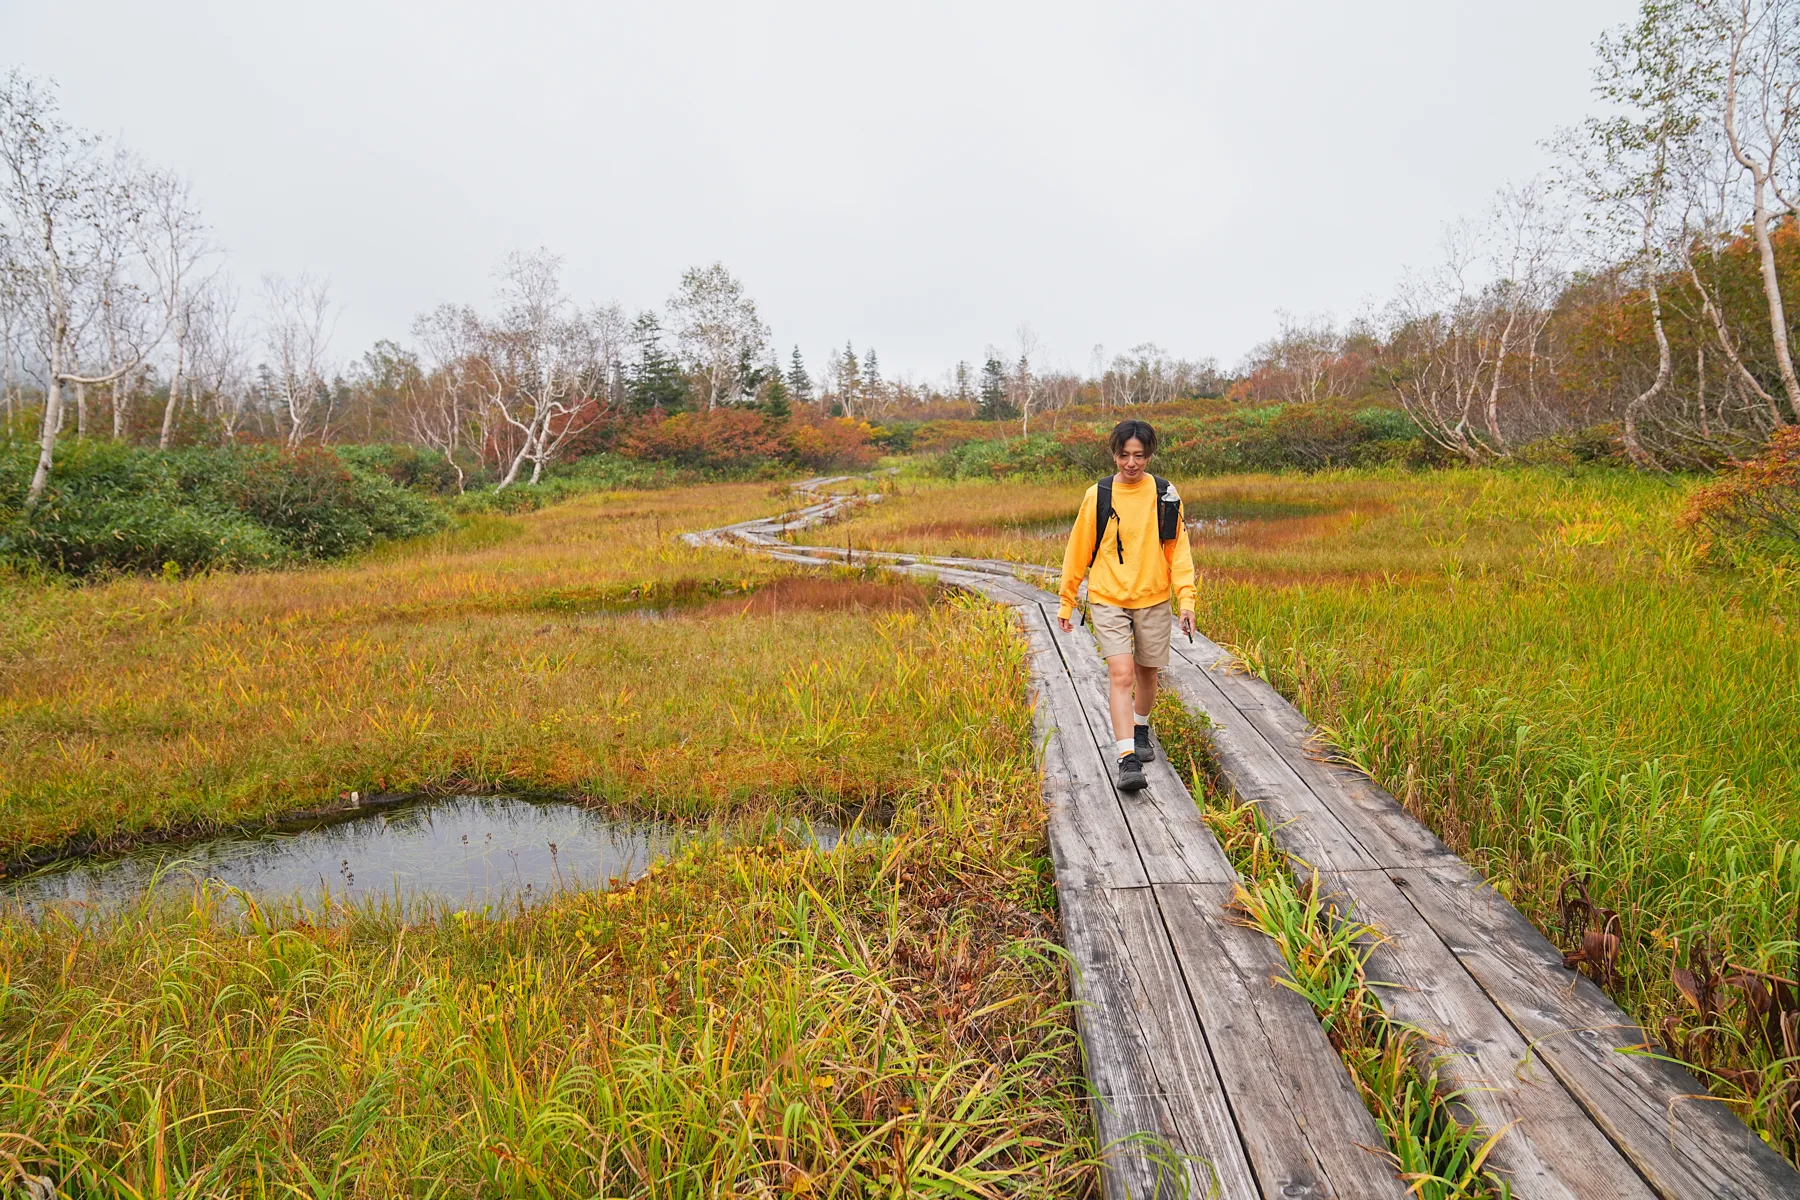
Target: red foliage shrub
735, 438
1316, 435
720, 437
1759, 498
1087, 448
945, 433
830, 443
585, 425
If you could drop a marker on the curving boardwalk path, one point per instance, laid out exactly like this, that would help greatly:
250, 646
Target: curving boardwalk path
1211, 1080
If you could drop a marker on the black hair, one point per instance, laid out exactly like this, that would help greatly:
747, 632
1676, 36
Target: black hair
1124, 431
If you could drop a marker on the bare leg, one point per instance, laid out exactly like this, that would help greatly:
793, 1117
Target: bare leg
1146, 689
1121, 673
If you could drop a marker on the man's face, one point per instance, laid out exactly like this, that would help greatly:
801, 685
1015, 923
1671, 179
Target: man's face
1132, 461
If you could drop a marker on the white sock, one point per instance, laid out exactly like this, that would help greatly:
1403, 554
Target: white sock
1142, 718
1126, 746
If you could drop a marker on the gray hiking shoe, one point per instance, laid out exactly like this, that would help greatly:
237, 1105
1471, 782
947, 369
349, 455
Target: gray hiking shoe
1131, 774
1144, 750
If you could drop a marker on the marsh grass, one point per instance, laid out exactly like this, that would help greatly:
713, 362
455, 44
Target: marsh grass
753, 1017
886, 1019
579, 651
1543, 668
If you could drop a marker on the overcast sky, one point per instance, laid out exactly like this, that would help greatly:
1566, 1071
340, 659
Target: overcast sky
922, 177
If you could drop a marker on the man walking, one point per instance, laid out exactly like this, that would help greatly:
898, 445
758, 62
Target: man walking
1131, 542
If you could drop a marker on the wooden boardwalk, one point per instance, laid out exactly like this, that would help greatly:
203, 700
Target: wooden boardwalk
1209, 1078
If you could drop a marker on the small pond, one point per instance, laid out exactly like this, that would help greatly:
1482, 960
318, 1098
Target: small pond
462, 853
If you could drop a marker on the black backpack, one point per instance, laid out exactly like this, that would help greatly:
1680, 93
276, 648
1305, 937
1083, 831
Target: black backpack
1168, 515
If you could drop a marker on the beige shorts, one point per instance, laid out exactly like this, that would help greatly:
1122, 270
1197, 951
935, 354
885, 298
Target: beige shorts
1142, 633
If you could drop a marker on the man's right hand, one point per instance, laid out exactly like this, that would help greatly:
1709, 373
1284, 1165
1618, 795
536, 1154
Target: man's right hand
1068, 626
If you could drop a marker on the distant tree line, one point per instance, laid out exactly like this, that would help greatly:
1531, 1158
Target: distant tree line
1644, 288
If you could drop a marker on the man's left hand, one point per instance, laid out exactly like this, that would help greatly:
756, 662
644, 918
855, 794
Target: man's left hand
1187, 623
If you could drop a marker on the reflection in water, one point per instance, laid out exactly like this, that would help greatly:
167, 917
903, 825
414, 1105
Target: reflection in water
468, 852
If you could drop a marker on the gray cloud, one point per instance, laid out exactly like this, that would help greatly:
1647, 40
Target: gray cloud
921, 177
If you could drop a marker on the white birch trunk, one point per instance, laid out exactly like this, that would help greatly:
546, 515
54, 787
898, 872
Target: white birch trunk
1634, 448
168, 420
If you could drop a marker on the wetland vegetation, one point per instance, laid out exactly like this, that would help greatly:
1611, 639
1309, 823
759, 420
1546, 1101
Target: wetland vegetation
888, 1016
1540, 663
1549, 671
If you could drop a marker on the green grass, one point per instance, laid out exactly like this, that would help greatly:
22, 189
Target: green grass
1543, 668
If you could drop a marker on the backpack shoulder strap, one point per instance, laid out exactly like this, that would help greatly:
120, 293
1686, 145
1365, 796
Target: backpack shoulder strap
1103, 509
1168, 512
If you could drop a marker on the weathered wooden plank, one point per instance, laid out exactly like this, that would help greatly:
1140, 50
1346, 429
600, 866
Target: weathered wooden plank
1684, 1142
1147, 1060
1089, 835
1304, 825
1172, 838
1454, 950
1305, 1128
1551, 1148
1683, 1147
1388, 835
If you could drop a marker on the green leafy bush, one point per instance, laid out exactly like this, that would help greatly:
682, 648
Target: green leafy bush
1039, 454
604, 472
411, 467
1594, 445
118, 508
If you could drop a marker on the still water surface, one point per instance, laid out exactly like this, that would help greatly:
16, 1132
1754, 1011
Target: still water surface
464, 853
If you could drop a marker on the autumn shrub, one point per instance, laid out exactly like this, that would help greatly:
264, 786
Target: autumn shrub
1039, 454
1756, 501
830, 443
723, 437
601, 472
319, 507
1592, 445
1314, 435
113, 508
739, 438
934, 437
1193, 440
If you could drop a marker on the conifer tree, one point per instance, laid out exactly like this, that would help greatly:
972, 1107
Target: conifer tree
798, 381
656, 380
993, 405
849, 381
751, 377
776, 398
871, 377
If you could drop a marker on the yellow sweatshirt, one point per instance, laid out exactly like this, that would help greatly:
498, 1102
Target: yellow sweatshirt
1150, 567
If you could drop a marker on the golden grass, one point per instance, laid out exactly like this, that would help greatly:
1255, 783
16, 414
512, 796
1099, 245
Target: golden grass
559, 651
748, 1020
754, 1018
